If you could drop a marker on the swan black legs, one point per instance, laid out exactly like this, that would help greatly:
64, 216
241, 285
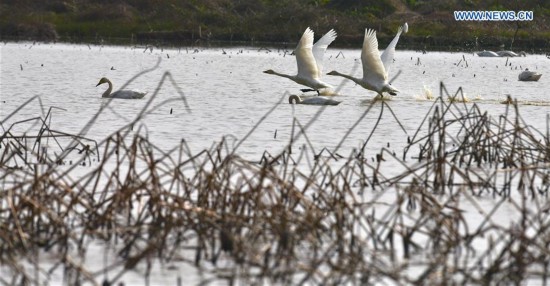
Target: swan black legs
309, 89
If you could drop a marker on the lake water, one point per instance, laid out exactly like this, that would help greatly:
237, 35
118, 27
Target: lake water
227, 95
227, 92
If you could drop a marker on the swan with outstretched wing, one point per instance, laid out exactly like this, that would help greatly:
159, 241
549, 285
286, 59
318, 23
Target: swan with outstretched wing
376, 66
309, 59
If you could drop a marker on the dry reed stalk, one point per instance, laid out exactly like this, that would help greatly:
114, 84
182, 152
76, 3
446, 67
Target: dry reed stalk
273, 220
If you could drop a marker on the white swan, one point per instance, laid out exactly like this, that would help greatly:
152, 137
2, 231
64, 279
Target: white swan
125, 94
489, 54
309, 58
511, 54
376, 66
528, 75
507, 54
317, 100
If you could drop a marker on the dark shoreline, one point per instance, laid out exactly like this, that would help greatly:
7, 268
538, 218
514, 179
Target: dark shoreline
535, 46
281, 23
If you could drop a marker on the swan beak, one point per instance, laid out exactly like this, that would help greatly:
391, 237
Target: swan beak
97, 84
393, 93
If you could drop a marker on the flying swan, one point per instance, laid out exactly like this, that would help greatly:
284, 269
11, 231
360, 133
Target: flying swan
376, 66
125, 94
317, 100
309, 58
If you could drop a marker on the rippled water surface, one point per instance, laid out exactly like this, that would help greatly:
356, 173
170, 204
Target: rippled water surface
228, 95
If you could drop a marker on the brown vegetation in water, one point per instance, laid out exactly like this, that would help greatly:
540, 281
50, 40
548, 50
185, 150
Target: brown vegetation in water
274, 219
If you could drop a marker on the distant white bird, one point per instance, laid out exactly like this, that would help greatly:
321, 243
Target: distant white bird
507, 54
124, 94
528, 75
309, 58
376, 66
317, 100
510, 54
489, 54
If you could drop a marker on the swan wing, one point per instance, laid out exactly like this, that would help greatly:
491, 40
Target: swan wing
373, 69
320, 48
387, 55
307, 68
487, 54
128, 94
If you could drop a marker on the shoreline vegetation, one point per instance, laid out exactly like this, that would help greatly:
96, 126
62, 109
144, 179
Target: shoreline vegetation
273, 23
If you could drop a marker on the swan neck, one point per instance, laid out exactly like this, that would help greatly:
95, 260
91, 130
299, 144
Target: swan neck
347, 76
284, 75
294, 99
107, 93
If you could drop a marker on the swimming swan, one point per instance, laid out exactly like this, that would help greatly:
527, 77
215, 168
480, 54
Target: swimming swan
125, 94
317, 100
309, 58
507, 54
376, 66
489, 54
528, 75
